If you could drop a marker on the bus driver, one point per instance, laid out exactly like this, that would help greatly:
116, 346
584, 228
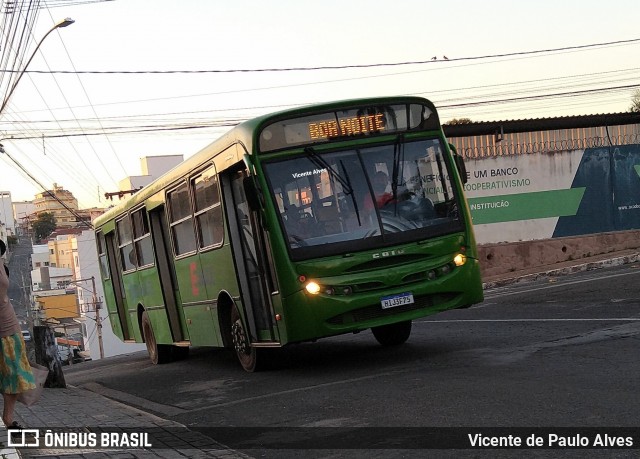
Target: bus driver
379, 183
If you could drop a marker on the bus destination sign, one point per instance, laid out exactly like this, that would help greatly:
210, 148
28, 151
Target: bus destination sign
345, 123
366, 124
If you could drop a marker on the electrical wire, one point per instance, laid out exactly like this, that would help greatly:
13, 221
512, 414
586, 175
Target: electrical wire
340, 67
52, 195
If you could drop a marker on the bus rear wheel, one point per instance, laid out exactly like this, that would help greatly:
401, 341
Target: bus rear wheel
158, 353
247, 354
392, 334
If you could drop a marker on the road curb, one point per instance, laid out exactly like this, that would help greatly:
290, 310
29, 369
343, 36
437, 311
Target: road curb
588, 266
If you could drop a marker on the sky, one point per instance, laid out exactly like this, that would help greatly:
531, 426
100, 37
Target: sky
137, 78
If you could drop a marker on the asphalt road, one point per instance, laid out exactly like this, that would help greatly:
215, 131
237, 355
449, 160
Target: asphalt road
555, 353
19, 278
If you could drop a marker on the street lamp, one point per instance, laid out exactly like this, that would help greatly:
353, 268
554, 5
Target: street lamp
64, 23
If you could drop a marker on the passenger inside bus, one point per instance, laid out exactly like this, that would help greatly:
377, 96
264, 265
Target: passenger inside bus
299, 224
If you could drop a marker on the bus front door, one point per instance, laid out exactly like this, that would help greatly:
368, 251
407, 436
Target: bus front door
255, 278
164, 262
118, 288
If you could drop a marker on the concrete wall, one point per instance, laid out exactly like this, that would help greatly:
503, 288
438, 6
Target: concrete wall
540, 208
557, 194
498, 259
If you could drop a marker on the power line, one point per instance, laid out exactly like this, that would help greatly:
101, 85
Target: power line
94, 112
431, 92
229, 122
539, 97
332, 67
52, 195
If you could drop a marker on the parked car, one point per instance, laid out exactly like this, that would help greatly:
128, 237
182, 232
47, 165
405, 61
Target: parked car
26, 334
78, 356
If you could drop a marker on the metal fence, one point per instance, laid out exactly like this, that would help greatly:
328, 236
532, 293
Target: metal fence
487, 146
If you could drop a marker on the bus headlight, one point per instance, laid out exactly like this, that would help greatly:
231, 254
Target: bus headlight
459, 259
313, 287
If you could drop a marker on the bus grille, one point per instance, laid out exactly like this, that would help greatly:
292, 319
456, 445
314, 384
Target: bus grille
375, 311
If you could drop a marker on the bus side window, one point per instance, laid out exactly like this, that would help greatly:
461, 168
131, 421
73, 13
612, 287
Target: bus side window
125, 244
208, 209
102, 255
181, 220
142, 237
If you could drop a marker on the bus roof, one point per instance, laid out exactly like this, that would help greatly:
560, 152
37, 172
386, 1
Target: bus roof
246, 134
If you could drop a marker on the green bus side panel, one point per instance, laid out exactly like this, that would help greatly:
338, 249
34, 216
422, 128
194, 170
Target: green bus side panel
183, 320
199, 311
153, 302
133, 293
219, 272
203, 329
110, 302
190, 279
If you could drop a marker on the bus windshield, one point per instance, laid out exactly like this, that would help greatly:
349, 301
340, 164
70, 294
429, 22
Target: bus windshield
364, 198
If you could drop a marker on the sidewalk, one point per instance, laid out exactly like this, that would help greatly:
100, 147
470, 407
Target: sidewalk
80, 410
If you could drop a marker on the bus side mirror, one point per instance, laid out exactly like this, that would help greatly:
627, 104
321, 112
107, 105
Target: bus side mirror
462, 169
251, 192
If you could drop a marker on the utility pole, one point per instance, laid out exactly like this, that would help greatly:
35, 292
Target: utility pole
96, 308
26, 301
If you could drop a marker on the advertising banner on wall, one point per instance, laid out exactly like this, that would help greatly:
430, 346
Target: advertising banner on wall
545, 195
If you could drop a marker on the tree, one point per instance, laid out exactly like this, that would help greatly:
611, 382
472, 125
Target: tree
635, 102
459, 121
44, 225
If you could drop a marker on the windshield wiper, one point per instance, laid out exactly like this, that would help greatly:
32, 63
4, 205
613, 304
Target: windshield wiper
322, 164
353, 197
344, 182
398, 166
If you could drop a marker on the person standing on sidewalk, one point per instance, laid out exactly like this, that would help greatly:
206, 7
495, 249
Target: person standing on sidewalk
15, 372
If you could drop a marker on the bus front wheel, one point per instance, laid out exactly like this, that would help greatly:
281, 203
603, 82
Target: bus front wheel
247, 354
392, 334
158, 353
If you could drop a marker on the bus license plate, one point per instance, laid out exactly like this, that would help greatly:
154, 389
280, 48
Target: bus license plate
396, 300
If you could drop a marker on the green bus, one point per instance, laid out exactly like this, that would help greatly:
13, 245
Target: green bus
312, 222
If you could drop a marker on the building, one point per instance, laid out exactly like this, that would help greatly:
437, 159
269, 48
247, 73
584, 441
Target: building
59, 202
60, 247
6, 213
50, 278
22, 213
152, 167
93, 314
57, 305
40, 256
